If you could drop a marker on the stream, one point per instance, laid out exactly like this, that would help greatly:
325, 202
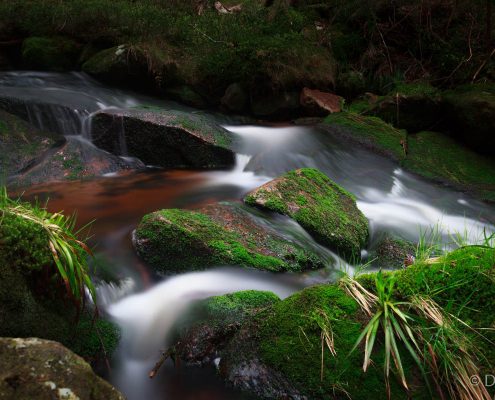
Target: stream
146, 305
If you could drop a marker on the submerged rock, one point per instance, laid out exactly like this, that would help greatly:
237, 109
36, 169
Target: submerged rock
20, 143
74, 159
171, 139
39, 369
327, 211
218, 234
214, 321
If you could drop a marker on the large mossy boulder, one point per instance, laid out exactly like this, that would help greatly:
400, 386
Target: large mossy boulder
470, 112
73, 159
39, 369
326, 210
49, 53
278, 352
215, 235
443, 159
33, 300
20, 143
171, 139
210, 325
371, 132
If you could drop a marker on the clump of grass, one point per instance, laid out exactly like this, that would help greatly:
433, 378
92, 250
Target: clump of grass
68, 252
433, 338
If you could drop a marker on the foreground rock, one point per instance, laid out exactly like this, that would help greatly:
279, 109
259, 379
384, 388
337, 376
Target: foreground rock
74, 159
20, 143
218, 234
40, 369
214, 321
170, 139
278, 352
324, 209
33, 301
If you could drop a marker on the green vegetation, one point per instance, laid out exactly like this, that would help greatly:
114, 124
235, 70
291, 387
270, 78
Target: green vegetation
55, 53
181, 240
441, 158
430, 316
44, 272
323, 208
371, 132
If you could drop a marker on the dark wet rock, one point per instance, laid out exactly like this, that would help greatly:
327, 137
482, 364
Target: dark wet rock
52, 54
320, 103
275, 105
73, 159
235, 98
171, 139
217, 234
44, 115
39, 369
470, 111
186, 95
20, 143
214, 321
327, 211
123, 64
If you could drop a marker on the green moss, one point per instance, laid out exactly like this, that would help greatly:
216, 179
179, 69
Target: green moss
290, 341
55, 53
372, 132
422, 89
182, 240
441, 158
323, 208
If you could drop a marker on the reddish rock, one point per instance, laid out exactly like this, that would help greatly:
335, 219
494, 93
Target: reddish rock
322, 102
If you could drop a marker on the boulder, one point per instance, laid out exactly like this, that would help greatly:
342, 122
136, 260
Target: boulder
186, 95
370, 132
470, 112
277, 105
33, 300
73, 159
211, 324
281, 351
170, 139
235, 98
326, 210
320, 103
217, 234
37, 369
20, 143
49, 53
392, 253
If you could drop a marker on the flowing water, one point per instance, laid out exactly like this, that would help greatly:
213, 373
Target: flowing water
146, 306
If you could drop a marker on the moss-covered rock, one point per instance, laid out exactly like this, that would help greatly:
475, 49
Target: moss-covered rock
202, 337
217, 234
371, 132
323, 208
278, 352
49, 53
470, 111
438, 157
20, 144
35, 369
171, 139
392, 252
72, 159
33, 299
